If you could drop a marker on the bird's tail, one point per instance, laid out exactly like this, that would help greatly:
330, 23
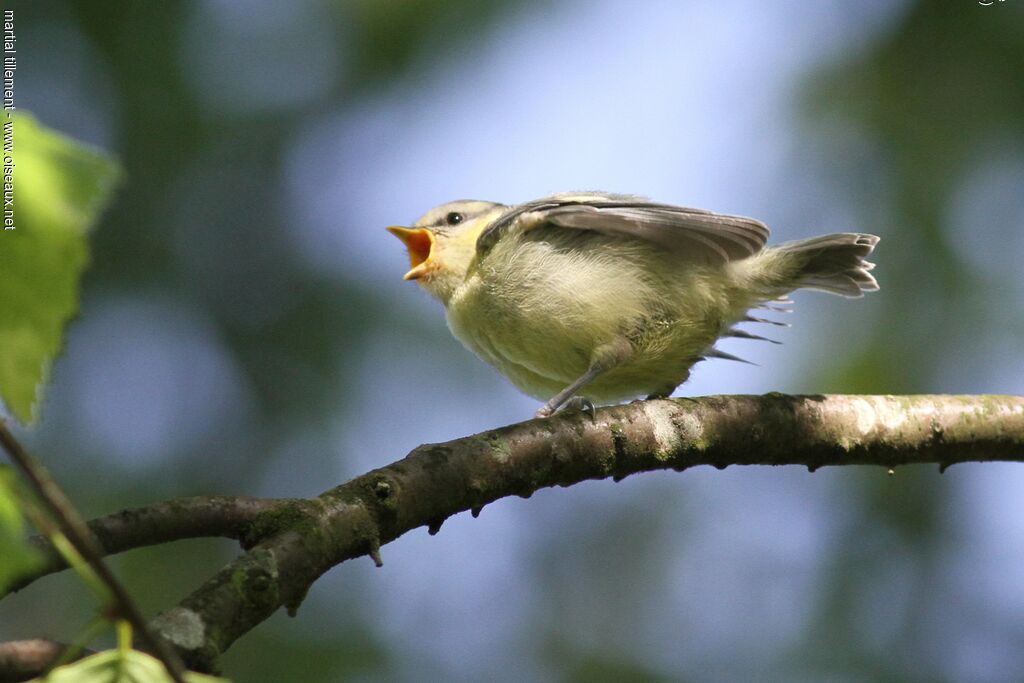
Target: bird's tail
833, 263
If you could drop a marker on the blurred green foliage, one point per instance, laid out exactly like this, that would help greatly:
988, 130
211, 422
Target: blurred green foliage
390, 37
17, 556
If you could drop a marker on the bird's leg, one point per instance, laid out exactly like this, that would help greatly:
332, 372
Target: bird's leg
565, 394
604, 358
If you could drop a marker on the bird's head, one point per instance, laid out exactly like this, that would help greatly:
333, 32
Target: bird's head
442, 243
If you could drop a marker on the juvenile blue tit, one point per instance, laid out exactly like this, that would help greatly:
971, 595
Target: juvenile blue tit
594, 297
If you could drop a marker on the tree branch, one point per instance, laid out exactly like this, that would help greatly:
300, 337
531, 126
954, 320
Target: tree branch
172, 520
300, 541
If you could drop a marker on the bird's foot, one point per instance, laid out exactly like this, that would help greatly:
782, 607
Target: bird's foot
580, 404
575, 404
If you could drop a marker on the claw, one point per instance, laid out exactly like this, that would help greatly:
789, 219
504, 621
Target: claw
581, 404
574, 404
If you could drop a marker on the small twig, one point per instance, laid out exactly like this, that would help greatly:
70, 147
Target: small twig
79, 535
171, 520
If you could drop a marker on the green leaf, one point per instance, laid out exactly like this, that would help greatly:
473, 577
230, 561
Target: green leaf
16, 556
115, 666
58, 188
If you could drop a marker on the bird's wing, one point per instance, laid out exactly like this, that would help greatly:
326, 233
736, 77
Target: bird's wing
693, 234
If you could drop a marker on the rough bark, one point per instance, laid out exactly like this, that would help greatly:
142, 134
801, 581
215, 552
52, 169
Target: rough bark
292, 543
436, 481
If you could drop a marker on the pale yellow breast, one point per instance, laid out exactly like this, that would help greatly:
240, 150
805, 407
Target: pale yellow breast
536, 310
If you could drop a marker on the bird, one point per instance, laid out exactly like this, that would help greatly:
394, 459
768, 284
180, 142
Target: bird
591, 298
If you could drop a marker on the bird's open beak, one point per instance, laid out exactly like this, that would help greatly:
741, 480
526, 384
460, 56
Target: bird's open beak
420, 244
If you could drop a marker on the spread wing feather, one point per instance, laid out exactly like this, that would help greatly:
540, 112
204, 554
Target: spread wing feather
693, 234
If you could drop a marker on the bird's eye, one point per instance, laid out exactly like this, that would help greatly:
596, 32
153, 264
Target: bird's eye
454, 218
